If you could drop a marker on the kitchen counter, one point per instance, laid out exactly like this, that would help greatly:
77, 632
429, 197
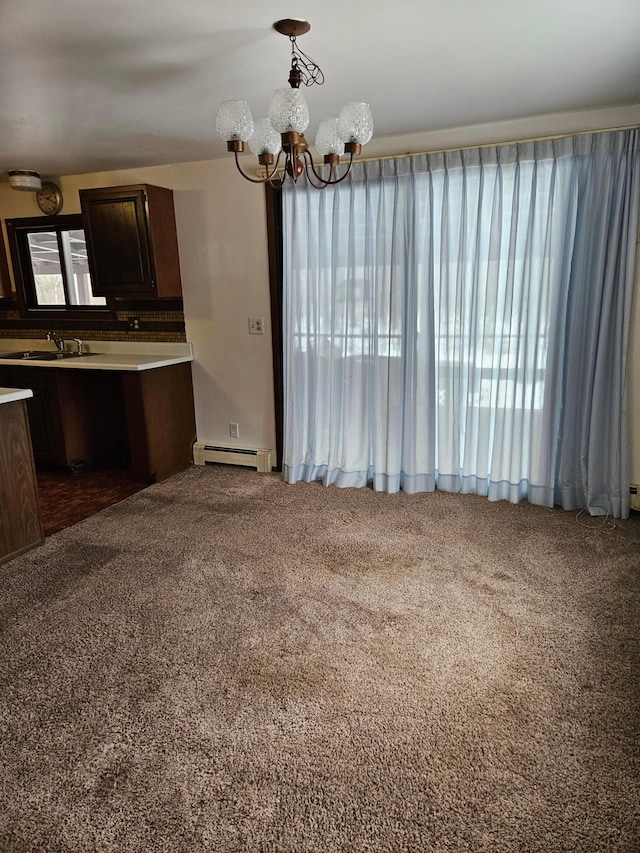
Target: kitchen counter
122, 400
10, 395
101, 355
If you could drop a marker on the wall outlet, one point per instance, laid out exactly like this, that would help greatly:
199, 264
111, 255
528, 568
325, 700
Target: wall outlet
256, 326
134, 323
234, 432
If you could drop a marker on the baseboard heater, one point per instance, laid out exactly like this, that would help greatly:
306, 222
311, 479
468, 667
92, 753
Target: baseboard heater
259, 459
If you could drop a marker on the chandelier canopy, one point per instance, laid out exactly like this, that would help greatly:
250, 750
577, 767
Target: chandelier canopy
281, 135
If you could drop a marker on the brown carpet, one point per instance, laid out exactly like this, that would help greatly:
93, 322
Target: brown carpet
226, 663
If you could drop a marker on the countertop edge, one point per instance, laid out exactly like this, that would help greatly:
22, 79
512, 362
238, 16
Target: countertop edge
12, 395
102, 361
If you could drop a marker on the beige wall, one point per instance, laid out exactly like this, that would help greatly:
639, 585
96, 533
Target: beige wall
224, 264
223, 255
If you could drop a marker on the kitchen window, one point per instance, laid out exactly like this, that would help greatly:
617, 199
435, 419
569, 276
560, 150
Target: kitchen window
51, 271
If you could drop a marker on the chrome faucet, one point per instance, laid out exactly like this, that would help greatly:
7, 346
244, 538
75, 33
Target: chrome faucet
59, 342
79, 344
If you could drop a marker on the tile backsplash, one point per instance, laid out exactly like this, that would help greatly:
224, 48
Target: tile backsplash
139, 320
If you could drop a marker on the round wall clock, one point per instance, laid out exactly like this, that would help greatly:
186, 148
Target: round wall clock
49, 198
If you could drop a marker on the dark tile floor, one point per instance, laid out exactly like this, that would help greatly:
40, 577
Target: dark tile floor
68, 498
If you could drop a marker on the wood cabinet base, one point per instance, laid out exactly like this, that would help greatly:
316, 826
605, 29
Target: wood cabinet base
160, 421
20, 520
86, 417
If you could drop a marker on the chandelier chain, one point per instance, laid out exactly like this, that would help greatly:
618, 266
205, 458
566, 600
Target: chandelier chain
310, 71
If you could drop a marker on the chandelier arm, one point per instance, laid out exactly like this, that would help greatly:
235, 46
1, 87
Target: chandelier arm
278, 183
269, 176
309, 165
329, 182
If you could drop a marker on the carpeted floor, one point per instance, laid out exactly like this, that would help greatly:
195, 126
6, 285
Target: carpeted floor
222, 662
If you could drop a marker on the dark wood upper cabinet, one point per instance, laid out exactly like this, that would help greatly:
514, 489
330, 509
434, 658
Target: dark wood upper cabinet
5, 282
132, 245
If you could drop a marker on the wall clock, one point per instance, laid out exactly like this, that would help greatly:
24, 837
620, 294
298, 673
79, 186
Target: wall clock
49, 198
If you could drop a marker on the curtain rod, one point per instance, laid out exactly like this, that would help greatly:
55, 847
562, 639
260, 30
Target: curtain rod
493, 144
486, 145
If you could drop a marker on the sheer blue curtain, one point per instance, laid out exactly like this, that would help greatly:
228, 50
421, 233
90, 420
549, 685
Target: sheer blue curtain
460, 321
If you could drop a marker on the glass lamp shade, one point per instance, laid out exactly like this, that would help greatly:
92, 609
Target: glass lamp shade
355, 123
289, 111
234, 121
327, 139
264, 140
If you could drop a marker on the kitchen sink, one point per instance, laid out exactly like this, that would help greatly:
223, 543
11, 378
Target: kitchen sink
55, 356
43, 355
26, 354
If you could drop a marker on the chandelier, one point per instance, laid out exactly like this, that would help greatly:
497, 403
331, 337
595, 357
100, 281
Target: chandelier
281, 135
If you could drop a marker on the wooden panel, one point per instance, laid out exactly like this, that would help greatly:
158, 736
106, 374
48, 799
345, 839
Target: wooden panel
117, 241
100, 393
91, 413
45, 429
120, 253
273, 200
161, 421
92, 416
20, 521
44, 426
5, 281
131, 240
75, 417
164, 241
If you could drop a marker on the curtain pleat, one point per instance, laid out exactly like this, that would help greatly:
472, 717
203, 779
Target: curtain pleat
460, 321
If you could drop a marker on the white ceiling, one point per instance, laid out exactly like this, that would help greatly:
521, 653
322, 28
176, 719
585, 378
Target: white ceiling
91, 85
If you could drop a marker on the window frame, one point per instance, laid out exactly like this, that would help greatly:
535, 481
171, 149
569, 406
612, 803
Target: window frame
18, 231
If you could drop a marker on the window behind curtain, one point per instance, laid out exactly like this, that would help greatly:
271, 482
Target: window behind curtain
426, 316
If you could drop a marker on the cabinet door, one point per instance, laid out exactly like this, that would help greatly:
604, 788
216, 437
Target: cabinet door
41, 425
5, 283
118, 248
41, 409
